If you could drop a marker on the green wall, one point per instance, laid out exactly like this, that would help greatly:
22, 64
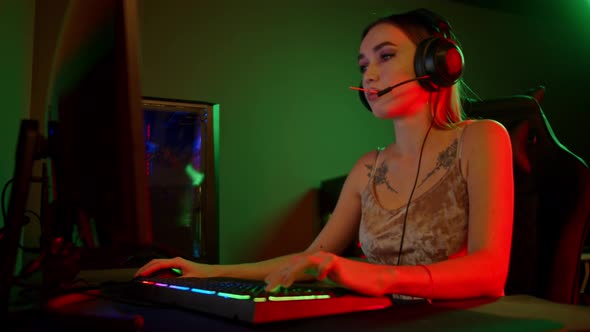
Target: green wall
280, 71
287, 118
16, 34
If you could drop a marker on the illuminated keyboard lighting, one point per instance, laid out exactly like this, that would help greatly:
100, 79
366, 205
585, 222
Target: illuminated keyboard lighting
234, 296
202, 291
179, 287
296, 298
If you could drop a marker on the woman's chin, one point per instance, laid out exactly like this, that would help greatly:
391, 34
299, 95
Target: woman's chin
384, 114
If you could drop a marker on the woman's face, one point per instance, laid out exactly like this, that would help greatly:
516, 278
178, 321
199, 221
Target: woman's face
386, 58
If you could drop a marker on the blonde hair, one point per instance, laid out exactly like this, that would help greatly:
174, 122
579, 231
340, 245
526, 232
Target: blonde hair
447, 109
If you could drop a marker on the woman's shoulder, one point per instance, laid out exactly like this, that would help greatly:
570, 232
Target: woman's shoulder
368, 157
478, 129
484, 136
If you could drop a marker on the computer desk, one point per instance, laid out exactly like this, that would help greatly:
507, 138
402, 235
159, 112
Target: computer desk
94, 311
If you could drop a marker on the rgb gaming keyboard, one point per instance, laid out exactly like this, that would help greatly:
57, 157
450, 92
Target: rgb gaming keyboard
246, 300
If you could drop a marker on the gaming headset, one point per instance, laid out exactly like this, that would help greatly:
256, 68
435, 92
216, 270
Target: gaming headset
439, 60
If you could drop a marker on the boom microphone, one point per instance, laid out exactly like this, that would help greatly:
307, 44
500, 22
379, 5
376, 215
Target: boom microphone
387, 90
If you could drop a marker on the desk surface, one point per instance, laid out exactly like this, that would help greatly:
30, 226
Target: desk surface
92, 312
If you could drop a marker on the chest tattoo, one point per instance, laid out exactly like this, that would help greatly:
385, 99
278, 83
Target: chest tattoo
444, 161
381, 176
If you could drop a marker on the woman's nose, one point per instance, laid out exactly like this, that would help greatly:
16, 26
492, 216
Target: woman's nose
371, 75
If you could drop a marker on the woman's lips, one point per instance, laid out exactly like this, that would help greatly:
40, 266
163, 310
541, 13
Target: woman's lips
372, 94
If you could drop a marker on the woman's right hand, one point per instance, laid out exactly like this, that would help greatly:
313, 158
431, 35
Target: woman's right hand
188, 268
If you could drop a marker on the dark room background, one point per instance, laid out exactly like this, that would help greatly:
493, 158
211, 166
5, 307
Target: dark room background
280, 72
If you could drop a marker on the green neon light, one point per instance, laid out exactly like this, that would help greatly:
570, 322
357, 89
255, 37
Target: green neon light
196, 176
260, 299
234, 296
176, 270
297, 298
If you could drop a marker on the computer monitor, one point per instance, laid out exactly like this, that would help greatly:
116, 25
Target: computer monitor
97, 149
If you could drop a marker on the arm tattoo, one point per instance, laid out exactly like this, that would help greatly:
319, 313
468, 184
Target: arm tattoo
445, 160
380, 176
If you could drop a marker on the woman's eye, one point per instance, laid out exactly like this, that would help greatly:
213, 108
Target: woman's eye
387, 56
363, 68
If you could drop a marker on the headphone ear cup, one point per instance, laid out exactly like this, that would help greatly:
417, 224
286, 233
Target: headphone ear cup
364, 99
441, 59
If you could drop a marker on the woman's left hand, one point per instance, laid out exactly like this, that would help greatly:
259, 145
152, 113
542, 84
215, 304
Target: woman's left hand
325, 266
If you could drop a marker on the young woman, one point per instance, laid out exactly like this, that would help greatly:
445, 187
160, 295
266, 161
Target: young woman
433, 210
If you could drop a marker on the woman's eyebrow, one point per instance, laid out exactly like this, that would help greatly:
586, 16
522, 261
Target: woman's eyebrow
378, 47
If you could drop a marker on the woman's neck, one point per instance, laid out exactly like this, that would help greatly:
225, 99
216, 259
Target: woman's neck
410, 132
